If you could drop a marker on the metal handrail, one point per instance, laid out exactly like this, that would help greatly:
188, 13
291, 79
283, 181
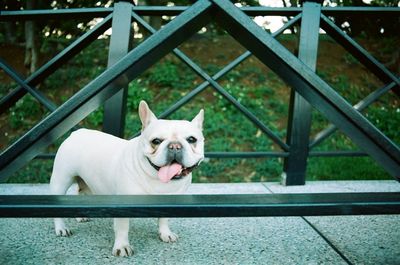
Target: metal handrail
70, 13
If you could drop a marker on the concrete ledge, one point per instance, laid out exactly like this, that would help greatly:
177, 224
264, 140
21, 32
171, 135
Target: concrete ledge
278, 240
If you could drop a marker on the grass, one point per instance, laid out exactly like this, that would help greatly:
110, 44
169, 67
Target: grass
254, 86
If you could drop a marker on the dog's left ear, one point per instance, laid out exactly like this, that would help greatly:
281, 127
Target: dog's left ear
145, 114
198, 120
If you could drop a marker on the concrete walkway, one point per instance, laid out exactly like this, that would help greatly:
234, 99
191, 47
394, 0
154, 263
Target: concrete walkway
266, 240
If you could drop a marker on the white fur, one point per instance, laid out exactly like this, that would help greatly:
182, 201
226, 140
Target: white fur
107, 165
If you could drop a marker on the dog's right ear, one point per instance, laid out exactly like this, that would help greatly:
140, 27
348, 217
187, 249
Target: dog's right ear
145, 114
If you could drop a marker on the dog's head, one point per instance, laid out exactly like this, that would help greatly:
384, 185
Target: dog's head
172, 147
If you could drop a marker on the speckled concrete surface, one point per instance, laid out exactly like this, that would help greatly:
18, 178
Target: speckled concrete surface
283, 240
363, 239
202, 241
337, 186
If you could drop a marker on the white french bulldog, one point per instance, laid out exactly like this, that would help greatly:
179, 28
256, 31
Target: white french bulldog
159, 161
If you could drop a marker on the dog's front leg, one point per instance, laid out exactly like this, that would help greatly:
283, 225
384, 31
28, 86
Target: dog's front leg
121, 245
165, 233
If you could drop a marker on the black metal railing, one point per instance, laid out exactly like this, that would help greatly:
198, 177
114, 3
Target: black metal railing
308, 89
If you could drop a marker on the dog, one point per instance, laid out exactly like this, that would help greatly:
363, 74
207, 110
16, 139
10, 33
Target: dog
159, 161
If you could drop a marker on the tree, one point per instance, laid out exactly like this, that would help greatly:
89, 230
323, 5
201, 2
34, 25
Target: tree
358, 25
31, 41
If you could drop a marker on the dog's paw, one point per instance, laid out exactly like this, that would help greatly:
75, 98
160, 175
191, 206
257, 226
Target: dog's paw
82, 219
168, 237
60, 228
64, 231
122, 251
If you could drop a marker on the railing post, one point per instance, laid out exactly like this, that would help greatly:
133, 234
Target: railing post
115, 107
299, 122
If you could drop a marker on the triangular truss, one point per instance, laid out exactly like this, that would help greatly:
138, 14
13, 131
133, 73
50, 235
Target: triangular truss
259, 43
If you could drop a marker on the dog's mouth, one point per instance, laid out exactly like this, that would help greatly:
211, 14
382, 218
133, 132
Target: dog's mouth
172, 171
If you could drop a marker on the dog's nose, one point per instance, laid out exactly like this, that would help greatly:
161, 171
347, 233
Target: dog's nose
175, 151
175, 146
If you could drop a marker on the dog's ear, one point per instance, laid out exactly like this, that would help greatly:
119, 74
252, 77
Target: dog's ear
198, 120
145, 114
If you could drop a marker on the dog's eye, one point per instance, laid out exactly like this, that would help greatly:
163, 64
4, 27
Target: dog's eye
191, 140
156, 141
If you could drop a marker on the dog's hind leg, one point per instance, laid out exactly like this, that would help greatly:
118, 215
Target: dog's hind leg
82, 189
60, 181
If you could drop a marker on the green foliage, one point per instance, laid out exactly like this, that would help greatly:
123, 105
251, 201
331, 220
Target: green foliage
5, 88
95, 119
238, 170
84, 67
170, 74
165, 75
37, 171
24, 112
225, 128
344, 168
387, 119
349, 59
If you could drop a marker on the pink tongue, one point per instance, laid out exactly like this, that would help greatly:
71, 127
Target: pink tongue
166, 173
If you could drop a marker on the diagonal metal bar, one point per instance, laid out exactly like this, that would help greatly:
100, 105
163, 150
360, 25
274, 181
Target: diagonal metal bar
50, 67
49, 105
249, 115
222, 72
212, 81
33, 91
185, 99
360, 53
317, 92
360, 106
221, 90
189, 96
94, 94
